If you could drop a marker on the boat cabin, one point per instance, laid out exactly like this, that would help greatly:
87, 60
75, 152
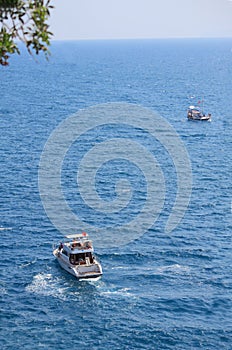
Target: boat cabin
79, 250
194, 111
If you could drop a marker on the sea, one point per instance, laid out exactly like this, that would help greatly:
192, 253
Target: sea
160, 289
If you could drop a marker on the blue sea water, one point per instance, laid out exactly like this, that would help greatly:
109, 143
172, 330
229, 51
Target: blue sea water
160, 291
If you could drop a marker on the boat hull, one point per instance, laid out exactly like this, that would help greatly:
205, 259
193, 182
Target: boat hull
203, 118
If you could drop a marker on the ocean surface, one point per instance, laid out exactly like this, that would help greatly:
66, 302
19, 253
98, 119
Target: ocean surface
158, 291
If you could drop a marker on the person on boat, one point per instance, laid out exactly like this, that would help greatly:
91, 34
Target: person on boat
88, 245
74, 244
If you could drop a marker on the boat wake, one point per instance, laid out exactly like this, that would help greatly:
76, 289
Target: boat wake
176, 268
106, 290
47, 285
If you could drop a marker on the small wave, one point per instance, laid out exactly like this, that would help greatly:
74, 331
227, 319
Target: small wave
5, 228
110, 290
117, 292
3, 291
176, 268
28, 263
120, 268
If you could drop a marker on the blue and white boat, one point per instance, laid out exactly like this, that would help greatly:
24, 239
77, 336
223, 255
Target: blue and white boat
194, 113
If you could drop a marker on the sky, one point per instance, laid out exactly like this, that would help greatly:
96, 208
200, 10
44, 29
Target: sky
131, 19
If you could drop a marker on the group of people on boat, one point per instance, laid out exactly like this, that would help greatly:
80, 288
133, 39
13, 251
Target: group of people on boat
80, 244
77, 243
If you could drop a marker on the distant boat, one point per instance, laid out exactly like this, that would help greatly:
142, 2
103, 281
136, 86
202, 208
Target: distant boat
76, 256
194, 113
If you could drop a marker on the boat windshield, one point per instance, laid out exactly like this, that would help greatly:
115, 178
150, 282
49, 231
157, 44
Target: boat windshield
81, 258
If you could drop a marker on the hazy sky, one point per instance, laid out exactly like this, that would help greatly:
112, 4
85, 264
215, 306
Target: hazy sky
111, 19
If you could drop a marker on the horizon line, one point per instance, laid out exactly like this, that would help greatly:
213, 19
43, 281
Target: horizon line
155, 38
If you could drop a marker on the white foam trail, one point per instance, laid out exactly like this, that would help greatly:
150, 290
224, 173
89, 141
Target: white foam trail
176, 268
47, 285
124, 292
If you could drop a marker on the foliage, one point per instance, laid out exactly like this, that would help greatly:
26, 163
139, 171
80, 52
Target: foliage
25, 21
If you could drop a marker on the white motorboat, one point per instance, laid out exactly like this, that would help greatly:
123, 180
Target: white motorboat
75, 255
